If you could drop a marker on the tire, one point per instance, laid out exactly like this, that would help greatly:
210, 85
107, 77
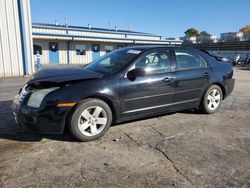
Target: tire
211, 100
90, 120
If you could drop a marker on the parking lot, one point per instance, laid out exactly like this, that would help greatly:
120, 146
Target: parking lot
184, 149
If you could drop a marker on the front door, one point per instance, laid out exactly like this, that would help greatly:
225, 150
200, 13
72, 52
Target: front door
95, 51
53, 53
152, 92
191, 78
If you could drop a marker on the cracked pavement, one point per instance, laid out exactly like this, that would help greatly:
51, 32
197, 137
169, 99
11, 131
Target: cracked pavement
184, 149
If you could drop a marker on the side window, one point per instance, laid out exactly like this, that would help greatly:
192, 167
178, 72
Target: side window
80, 50
155, 62
108, 49
186, 60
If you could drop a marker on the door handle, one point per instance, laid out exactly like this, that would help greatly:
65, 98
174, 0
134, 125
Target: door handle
167, 79
206, 74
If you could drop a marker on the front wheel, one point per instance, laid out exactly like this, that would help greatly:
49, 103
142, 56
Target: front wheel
91, 120
211, 100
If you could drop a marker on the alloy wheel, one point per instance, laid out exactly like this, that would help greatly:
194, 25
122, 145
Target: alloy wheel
92, 121
213, 99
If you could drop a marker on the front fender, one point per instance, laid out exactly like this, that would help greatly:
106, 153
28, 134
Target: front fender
107, 90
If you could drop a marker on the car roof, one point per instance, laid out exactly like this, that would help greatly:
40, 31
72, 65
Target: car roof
150, 47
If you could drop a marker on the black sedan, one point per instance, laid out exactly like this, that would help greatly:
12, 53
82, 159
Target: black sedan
126, 84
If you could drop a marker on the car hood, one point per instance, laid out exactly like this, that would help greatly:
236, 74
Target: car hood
60, 74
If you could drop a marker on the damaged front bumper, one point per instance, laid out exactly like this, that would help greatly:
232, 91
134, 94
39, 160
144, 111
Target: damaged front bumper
48, 119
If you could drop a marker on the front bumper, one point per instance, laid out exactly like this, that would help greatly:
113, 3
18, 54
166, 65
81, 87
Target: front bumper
44, 120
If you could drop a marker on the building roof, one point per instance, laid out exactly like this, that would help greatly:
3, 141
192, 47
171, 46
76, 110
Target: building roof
91, 29
77, 33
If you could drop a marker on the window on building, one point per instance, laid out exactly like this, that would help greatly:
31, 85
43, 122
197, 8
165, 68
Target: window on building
109, 49
120, 46
95, 47
186, 60
80, 50
37, 49
53, 47
155, 62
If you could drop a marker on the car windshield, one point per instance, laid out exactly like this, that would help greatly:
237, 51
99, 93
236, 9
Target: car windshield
113, 61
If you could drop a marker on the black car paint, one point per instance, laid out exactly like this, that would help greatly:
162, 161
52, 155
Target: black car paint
128, 99
63, 74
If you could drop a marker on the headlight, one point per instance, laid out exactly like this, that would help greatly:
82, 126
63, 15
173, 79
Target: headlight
37, 97
23, 93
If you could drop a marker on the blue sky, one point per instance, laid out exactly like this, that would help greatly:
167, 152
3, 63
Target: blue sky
169, 18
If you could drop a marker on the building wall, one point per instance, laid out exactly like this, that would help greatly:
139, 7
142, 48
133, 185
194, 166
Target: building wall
85, 59
45, 51
80, 59
10, 40
231, 36
67, 37
73, 57
14, 19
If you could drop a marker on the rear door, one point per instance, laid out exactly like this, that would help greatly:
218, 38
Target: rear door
191, 77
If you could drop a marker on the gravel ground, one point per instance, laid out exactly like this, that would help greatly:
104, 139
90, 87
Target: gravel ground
183, 149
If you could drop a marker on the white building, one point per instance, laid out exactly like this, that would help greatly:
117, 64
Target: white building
189, 39
206, 39
231, 36
200, 39
62, 44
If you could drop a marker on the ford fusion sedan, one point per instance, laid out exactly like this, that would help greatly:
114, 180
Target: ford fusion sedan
125, 84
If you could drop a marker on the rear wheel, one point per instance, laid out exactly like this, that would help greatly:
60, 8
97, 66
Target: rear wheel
91, 120
211, 100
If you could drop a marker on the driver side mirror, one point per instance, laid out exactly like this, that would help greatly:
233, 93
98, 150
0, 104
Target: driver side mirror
132, 74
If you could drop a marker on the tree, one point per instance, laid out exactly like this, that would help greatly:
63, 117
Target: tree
205, 34
245, 30
191, 32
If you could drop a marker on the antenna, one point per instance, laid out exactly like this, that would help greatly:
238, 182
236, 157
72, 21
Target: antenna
109, 25
66, 21
56, 22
